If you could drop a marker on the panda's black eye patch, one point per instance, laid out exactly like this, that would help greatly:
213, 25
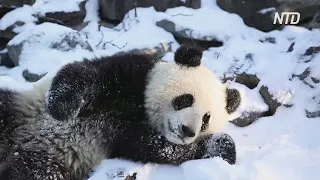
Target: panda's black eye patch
205, 121
182, 101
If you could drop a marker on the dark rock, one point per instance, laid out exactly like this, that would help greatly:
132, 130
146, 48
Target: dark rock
312, 50
64, 41
313, 114
303, 75
290, 49
31, 77
42, 19
288, 105
249, 80
16, 3
79, 27
269, 39
116, 9
155, 53
5, 59
14, 52
3, 43
9, 33
315, 23
66, 18
249, 56
225, 78
268, 99
71, 41
108, 24
247, 118
306, 8
249, 11
315, 80
184, 36
4, 10
133, 177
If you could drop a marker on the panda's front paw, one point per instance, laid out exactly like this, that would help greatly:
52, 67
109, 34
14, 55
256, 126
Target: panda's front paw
64, 106
220, 145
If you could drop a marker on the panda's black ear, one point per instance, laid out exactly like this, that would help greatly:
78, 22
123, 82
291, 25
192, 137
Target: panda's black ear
188, 56
233, 100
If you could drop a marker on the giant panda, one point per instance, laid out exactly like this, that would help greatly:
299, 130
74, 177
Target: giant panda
128, 106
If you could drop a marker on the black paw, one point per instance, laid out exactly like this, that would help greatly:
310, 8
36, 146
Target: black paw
233, 100
64, 106
220, 145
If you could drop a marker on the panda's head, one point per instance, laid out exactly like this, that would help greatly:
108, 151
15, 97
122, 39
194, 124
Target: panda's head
184, 100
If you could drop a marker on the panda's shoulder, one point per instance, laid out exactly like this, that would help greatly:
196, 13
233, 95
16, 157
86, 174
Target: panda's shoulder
122, 61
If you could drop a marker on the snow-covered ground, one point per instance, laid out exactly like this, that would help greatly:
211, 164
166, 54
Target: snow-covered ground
284, 146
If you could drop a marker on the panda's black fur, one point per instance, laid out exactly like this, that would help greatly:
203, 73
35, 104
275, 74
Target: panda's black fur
93, 110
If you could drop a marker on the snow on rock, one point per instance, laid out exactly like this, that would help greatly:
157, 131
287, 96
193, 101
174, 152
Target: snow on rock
124, 37
45, 6
24, 18
23, 15
265, 10
116, 10
47, 47
191, 23
92, 8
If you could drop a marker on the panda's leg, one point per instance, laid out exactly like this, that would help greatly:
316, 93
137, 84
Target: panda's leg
7, 112
233, 100
31, 165
217, 145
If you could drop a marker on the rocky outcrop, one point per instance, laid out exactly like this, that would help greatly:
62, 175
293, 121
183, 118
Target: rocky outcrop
247, 118
116, 9
260, 14
66, 41
185, 36
31, 77
155, 53
249, 80
5, 60
66, 18
269, 100
16, 3
256, 14
306, 8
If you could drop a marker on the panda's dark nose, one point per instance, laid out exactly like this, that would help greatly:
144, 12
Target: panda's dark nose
187, 132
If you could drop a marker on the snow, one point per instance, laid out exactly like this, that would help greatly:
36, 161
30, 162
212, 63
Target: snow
266, 10
28, 14
284, 146
45, 58
45, 6
92, 8
217, 28
23, 14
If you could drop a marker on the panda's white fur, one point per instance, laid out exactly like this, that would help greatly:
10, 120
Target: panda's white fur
169, 80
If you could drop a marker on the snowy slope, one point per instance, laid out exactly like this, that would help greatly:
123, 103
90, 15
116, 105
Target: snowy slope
284, 146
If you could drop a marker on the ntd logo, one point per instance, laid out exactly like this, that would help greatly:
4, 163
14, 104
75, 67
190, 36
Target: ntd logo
294, 18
